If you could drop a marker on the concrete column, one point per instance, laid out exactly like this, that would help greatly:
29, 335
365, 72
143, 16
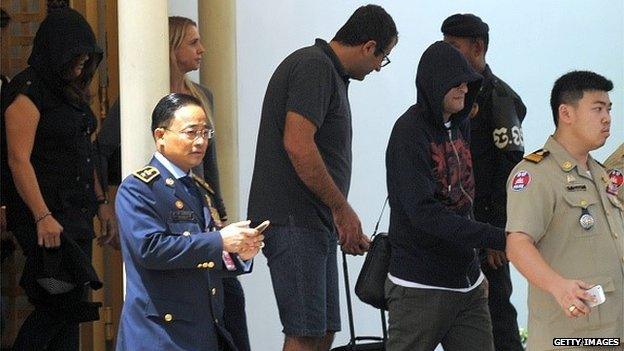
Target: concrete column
217, 26
143, 75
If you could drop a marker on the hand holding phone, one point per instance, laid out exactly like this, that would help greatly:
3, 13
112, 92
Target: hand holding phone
598, 294
262, 226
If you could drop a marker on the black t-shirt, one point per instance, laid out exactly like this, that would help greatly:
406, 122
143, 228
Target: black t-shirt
313, 83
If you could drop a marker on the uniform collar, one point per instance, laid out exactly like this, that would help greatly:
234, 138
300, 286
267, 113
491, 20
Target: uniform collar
175, 171
565, 161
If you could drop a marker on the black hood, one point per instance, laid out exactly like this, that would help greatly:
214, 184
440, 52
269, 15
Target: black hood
441, 68
63, 35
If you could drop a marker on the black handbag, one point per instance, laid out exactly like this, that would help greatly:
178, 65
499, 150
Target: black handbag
369, 287
370, 283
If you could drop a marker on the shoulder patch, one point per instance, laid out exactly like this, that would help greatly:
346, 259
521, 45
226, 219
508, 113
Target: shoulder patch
204, 184
147, 174
521, 180
617, 177
537, 156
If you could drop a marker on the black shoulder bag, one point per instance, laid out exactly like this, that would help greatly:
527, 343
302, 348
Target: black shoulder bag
370, 283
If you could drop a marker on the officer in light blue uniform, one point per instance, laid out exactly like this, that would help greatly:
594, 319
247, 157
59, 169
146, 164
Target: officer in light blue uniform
174, 257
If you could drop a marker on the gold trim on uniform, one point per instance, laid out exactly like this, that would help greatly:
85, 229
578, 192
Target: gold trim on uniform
537, 156
147, 174
203, 183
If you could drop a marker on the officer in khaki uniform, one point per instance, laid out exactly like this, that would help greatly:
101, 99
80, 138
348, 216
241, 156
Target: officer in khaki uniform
615, 169
565, 223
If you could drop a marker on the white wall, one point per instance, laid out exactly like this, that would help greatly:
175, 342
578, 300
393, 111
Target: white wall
531, 44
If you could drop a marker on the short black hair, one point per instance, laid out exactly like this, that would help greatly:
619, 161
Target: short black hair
569, 89
167, 106
370, 22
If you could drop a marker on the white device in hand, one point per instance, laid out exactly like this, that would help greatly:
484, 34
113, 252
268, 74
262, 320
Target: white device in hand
597, 292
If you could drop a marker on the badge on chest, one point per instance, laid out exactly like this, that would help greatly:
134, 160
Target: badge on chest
183, 216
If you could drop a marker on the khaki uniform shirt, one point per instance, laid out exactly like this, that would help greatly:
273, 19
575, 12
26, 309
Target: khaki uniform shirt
546, 200
615, 169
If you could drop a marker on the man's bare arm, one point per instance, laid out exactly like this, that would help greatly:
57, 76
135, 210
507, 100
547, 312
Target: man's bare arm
522, 252
306, 159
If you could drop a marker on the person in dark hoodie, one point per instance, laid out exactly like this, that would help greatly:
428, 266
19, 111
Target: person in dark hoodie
436, 291
48, 175
496, 146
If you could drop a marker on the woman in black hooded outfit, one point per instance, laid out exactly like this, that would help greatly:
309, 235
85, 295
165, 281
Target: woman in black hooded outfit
48, 178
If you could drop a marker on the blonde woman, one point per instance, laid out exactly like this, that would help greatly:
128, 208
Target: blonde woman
185, 54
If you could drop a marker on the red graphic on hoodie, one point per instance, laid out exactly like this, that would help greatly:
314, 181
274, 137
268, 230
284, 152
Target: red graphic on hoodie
452, 168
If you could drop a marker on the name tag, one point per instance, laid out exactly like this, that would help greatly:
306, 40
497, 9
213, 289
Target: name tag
576, 187
182, 216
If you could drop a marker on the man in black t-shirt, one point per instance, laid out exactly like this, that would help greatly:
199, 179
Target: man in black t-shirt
302, 173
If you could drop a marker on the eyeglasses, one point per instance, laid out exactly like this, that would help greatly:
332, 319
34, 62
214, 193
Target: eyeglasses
194, 134
385, 60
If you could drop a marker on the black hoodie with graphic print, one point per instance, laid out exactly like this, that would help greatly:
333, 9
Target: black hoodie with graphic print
430, 181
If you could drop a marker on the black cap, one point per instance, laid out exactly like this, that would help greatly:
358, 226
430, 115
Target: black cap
466, 25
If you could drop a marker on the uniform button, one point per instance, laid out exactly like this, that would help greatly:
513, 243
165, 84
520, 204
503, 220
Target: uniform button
583, 203
615, 235
214, 291
199, 265
216, 321
168, 317
205, 265
77, 178
186, 233
87, 186
88, 160
210, 264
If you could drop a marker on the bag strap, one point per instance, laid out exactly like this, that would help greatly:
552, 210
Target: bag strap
379, 219
384, 328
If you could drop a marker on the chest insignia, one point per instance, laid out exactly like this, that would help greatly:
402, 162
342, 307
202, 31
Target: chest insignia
170, 182
182, 216
576, 187
586, 220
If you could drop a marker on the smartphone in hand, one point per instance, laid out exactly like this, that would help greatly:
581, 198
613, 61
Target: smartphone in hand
598, 293
262, 226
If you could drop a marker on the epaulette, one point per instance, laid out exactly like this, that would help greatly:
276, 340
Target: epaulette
537, 156
147, 174
203, 183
